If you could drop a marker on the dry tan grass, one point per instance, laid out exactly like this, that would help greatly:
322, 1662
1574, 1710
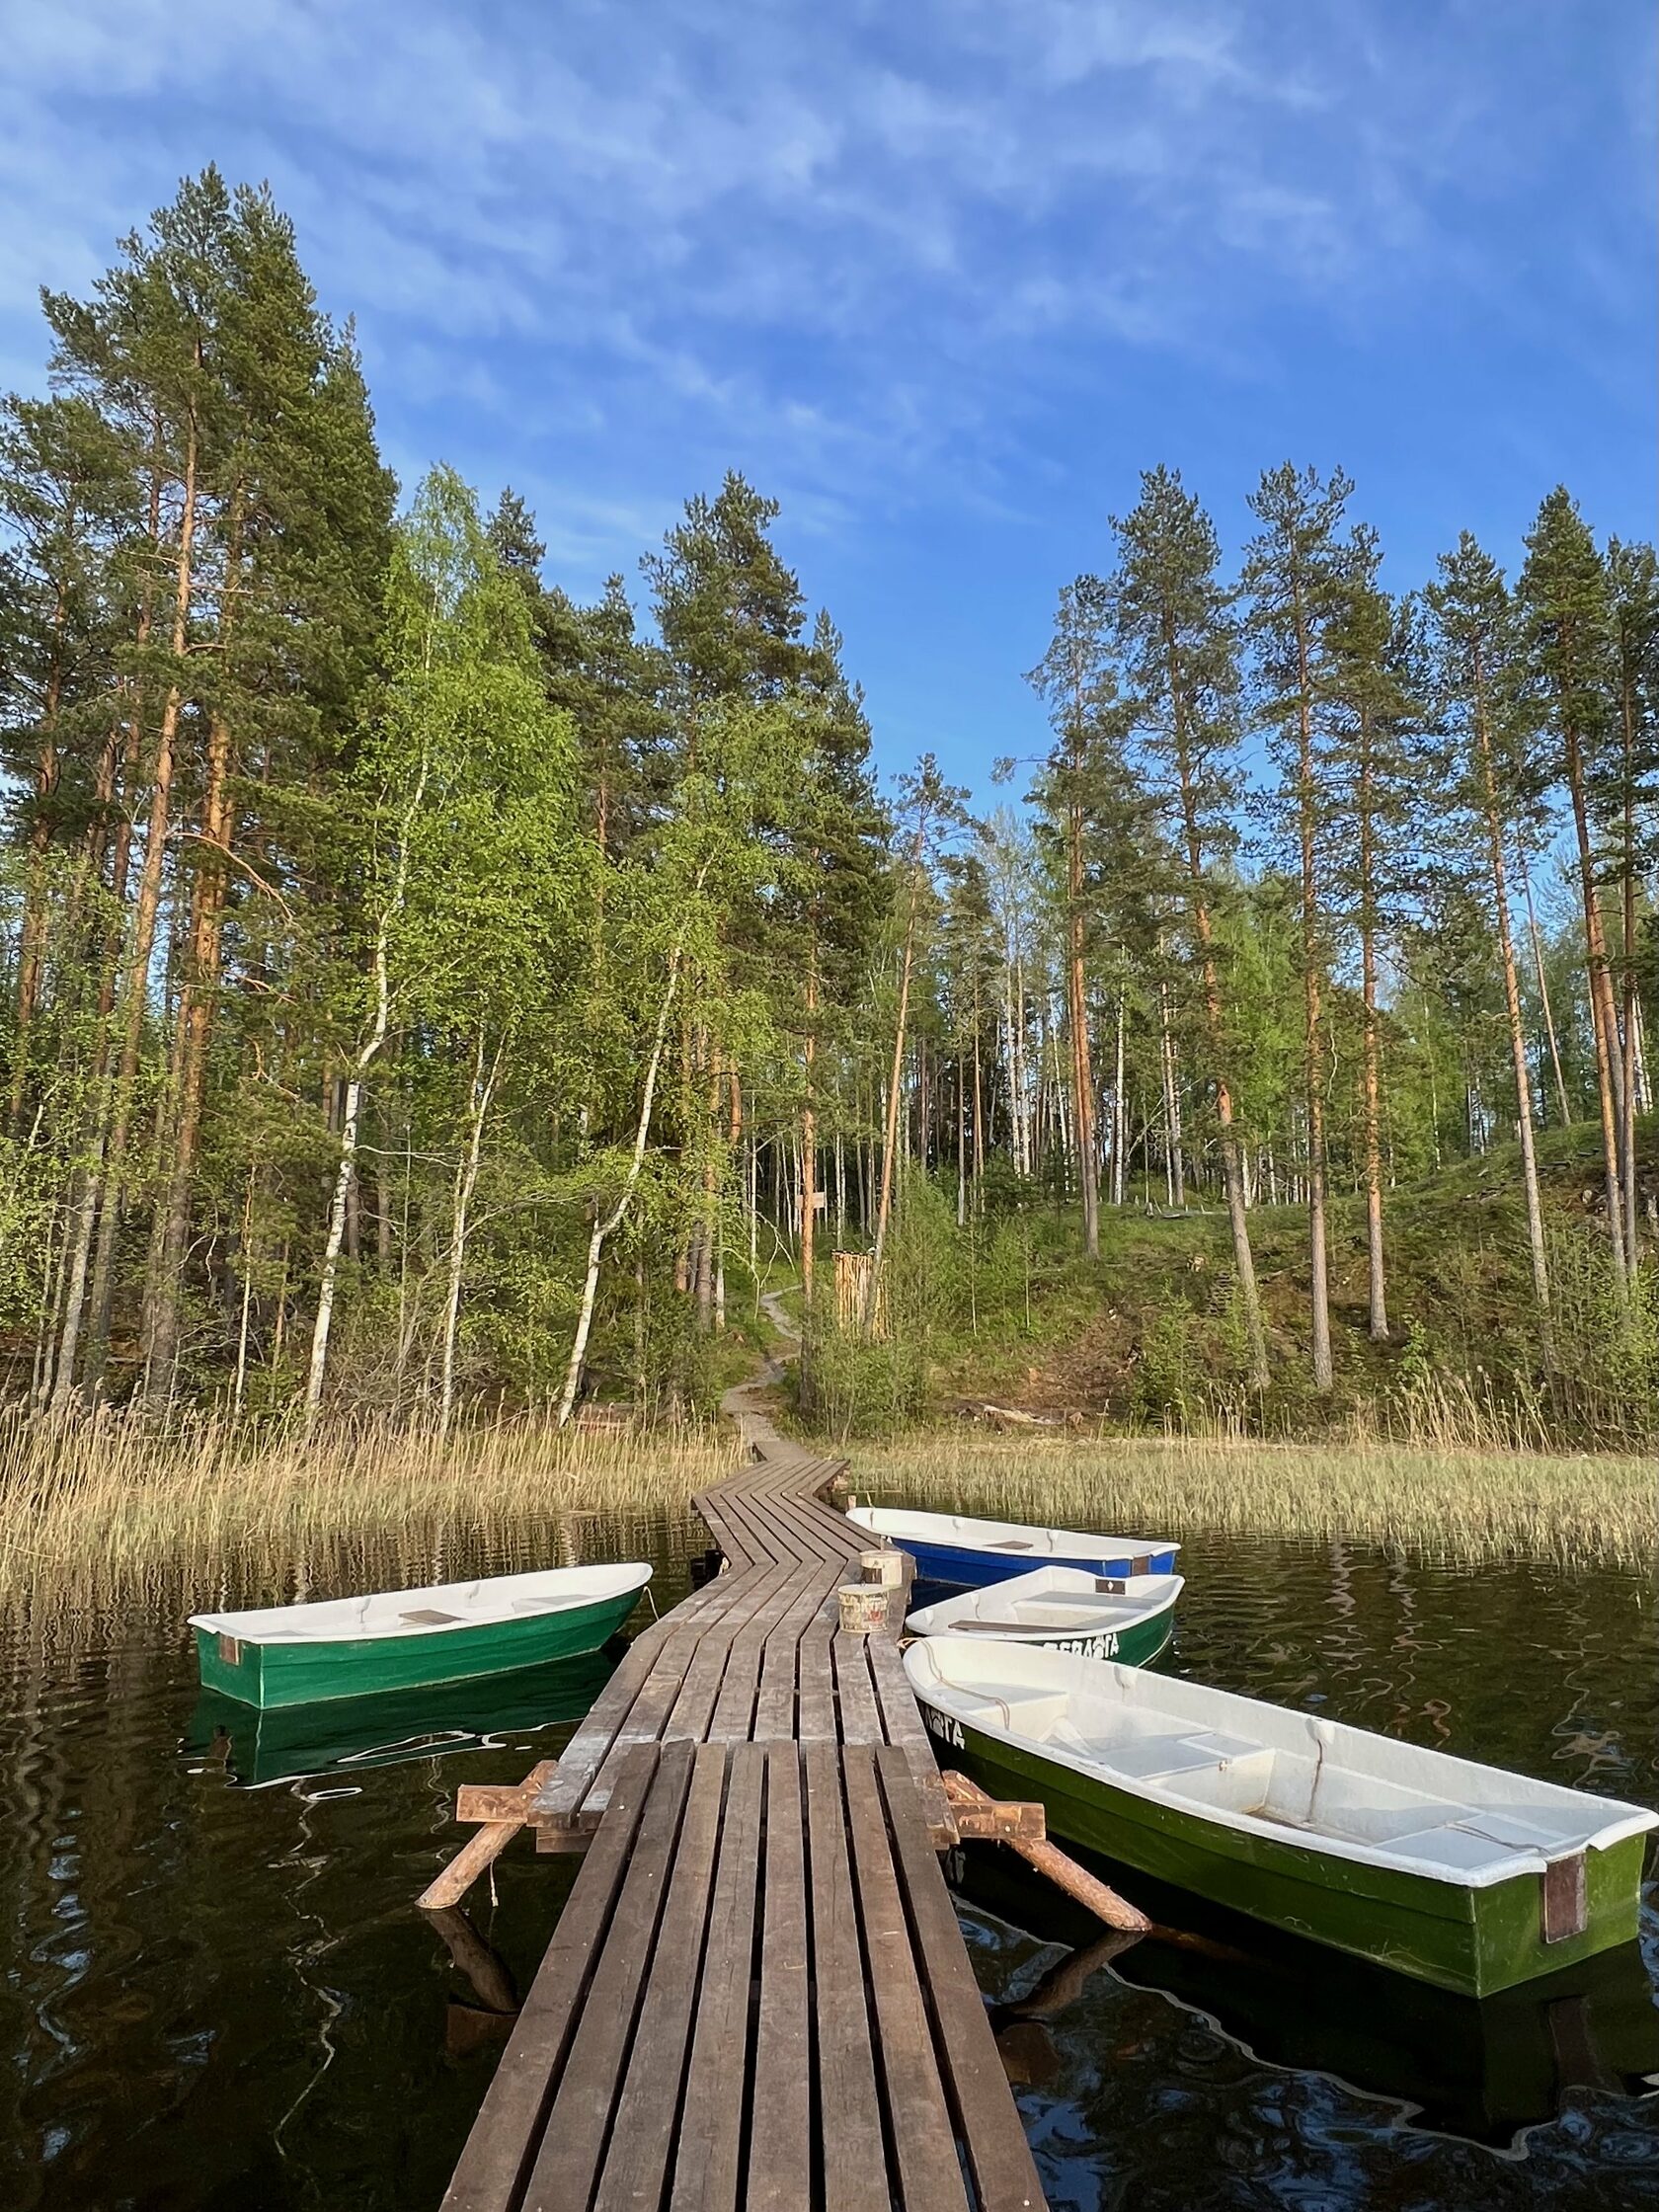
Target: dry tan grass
90, 1507
1473, 1506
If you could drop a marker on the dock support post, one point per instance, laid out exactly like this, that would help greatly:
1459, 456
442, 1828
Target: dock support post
481, 1850
968, 1799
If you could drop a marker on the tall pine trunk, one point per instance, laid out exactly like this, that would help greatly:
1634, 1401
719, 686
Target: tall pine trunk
1602, 1023
1076, 1004
1372, 1052
1512, 1001
1536, 939
809, 1132
1313, 974
134, 994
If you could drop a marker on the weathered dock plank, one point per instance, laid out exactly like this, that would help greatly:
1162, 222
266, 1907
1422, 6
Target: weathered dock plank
756, 1996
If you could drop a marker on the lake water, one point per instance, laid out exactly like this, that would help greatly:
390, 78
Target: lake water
217, 1994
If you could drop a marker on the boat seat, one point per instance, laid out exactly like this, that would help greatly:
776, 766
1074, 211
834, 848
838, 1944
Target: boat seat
1518, 1832
1038, 1709
428, 1616
1452, 1849
1154, 1756
1223, 1747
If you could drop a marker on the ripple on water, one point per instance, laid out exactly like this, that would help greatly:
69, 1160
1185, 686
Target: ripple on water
220, 1996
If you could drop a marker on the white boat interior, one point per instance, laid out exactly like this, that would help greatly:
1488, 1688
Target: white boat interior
1261, 1768
439, 1607
1050, 1602
968, 1535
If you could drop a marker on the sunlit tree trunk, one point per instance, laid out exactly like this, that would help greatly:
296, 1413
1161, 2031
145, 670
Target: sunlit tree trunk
136, 987
1493, 814
1604, 1023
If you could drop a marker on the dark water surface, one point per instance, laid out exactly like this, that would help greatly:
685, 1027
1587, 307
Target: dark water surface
215, 1993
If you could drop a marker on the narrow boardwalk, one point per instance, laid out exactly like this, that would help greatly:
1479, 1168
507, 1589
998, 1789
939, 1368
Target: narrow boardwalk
757, 1994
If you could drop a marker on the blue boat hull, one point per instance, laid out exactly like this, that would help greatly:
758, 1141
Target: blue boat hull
972, 1570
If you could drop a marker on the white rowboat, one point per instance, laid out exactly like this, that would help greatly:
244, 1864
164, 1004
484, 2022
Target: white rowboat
1456, 1873
1127, 1618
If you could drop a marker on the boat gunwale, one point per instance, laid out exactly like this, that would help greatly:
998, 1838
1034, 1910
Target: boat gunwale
1309, 1843
1093, 1542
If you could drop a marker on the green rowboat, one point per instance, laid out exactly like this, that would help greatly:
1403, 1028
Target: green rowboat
1127, 1617
1439, 1868
397, 1640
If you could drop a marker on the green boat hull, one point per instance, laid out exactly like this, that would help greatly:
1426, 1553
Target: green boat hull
1473, 1941
1136, 1646
307, 1673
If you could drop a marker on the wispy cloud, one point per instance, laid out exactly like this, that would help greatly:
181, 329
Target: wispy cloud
878, 254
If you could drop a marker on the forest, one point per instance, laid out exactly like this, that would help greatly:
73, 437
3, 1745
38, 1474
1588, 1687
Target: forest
429, 995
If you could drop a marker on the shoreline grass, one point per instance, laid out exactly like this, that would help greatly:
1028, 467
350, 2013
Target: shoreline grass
93, 1507
1457, 1505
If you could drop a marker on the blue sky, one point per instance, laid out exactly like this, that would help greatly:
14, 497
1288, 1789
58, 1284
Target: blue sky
942, 278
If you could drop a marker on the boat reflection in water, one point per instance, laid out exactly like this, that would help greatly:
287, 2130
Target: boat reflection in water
345, 1735
1481, 2069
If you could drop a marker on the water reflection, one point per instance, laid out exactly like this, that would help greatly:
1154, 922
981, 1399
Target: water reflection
1487, 2070
219, 1995
259, 1746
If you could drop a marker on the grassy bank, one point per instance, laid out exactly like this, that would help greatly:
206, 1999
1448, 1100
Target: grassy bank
1571, 1509
90, 1507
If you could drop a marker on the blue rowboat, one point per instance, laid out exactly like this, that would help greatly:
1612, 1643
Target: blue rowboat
951, 1547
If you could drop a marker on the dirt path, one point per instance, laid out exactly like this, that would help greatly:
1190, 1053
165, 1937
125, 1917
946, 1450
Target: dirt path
746, 1402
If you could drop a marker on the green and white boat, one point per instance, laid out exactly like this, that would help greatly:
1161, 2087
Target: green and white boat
396, 1639
1127, 1617
1459, 1874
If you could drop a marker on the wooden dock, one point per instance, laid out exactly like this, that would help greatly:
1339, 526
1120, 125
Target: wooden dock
757, 1995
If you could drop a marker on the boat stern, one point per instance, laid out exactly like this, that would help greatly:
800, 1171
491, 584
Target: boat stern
228, 1664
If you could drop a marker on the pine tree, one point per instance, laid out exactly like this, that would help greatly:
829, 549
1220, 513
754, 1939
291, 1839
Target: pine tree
1632, 820
1563, 597
1478, 683
1374, 679
1076, 680
1293, 575
1174, 624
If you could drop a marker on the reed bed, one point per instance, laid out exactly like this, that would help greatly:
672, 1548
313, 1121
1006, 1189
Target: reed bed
90, 1508
1463, 1506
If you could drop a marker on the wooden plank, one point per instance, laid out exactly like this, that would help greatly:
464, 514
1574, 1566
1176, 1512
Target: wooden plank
497, 2157
852, 2157
998, 2156
710, 2152
562, 1798
774, 1705
780, 2127
646, 2114
855, 1694
733, 1717
919, 2121
815, 1717
579, 2122
902, 1718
